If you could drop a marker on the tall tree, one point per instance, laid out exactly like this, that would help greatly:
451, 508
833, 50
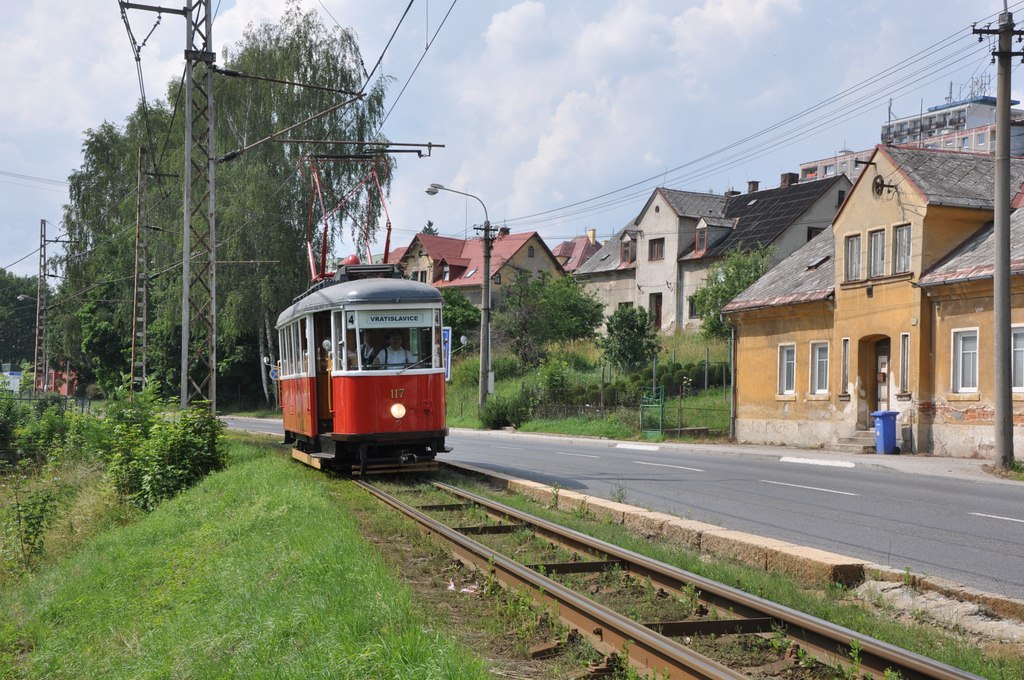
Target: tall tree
632, 340
537, 310
429, 229
726, 279
263, 203
461, 314
17, 318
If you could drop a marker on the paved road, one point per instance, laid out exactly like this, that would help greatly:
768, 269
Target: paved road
938, 516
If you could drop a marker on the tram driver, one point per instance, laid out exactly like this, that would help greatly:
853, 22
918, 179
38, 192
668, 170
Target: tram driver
394, 355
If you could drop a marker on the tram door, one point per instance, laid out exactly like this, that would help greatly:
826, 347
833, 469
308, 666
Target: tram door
324, 407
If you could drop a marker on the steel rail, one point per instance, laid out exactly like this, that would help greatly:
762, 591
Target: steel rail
611, 632
819, 636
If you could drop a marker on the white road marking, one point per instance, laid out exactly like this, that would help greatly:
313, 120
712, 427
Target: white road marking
637, 447
578, 455
812, 488
816, 461
677, 467
507, 448
1008, 519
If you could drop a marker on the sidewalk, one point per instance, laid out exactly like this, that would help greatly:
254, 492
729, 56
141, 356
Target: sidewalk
963, 468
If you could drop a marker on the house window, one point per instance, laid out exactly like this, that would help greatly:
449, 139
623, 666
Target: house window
876, 253
531, 251
1017, 358
841, 196
844, 379
904, 363
625, 305
497, 279
813, 231
830, 169
965, 361
981, 139
901, 248
656, 249
446, 273
853, 257
787, 369
819, 368
702, 240
628, 251
691, 308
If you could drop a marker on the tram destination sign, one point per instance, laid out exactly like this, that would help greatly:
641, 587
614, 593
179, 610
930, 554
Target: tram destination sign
405, 318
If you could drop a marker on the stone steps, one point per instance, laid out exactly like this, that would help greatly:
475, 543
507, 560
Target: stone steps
862, 441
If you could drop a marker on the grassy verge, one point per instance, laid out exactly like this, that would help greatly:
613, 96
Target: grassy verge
831, 602
258, 571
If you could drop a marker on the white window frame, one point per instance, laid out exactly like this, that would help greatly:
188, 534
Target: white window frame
876, 253
1017, 358
901, 248
787, 368
819, 368
904, 363
851, 265
959, 360
845, 368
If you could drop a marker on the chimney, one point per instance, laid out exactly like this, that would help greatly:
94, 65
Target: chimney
592, 236
788, 179
729, 193
752, 186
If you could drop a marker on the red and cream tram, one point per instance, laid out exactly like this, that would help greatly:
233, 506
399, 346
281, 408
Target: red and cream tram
362, 382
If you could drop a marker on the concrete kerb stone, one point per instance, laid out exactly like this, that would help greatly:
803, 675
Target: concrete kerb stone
647, 523
610, 511
1007, 607
817, 566
687, 532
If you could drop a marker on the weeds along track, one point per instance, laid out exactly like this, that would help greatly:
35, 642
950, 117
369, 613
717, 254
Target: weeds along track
661, 619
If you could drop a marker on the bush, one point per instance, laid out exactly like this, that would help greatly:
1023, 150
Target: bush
175, 455
87, 438
466, 373
41, 437
507, 410
506, 367
11, 416
554, 375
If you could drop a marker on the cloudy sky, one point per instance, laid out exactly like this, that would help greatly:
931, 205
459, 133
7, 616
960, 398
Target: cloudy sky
561, 116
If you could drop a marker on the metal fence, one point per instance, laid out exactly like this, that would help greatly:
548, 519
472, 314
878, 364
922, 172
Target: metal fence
75, 404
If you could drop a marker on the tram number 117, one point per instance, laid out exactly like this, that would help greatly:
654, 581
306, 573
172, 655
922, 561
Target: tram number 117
398, 393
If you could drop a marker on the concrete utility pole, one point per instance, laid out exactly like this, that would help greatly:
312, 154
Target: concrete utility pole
1003, 421
199, 233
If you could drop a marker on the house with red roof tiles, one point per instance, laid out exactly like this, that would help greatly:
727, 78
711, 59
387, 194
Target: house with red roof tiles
891, 310
447, 262
572, 254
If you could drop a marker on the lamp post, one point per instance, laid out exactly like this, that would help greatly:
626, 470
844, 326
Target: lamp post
485, 296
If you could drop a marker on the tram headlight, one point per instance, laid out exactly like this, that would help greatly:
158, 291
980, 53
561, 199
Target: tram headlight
397, 411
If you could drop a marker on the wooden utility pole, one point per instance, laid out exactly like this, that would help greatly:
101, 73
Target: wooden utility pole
1003, 421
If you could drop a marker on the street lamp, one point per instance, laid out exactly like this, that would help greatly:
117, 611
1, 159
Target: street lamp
485, 296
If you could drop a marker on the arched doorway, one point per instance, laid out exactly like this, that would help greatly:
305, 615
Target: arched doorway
875, 377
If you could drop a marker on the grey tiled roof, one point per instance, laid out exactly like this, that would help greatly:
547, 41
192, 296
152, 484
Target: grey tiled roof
762, 216
609, 257
973, 259
953, 178
693, 204
806, 275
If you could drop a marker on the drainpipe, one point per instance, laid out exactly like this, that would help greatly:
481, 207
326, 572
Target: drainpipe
732, 374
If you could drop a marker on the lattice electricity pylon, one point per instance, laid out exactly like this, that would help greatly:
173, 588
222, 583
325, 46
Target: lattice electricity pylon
140, 299
199, 269
40, 366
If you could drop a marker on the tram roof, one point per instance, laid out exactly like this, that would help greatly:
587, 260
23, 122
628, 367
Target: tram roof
383, 292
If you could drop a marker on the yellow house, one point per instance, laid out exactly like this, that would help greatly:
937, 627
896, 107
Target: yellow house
889, 310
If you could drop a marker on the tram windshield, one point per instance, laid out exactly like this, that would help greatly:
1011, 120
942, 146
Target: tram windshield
388, 339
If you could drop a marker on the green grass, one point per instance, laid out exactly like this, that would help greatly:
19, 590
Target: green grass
832, 602
609, 427
257, 572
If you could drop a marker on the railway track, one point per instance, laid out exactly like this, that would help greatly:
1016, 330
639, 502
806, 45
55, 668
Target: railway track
658, 644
